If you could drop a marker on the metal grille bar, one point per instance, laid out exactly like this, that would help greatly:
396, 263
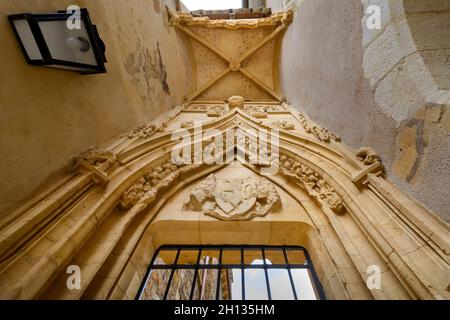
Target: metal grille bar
220, 265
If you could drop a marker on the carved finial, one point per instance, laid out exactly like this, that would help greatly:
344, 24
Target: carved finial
236, 102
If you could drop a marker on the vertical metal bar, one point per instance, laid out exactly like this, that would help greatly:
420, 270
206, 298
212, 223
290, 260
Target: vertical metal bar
205, 273
316, 281
195, 274
290, 274
267, 275
171, 275
147, 275
219, 274
242, 275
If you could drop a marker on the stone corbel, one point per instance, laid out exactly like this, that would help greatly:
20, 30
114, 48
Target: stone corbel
372, 165
96, 161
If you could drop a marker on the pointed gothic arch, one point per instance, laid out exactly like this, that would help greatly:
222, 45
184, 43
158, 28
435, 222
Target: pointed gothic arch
101, 217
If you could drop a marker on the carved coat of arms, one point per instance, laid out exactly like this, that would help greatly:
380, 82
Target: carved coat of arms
241, 199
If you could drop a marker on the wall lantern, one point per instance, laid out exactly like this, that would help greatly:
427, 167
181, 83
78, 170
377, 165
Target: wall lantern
51, 40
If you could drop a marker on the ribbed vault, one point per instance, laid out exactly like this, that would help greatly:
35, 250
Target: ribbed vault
233, 57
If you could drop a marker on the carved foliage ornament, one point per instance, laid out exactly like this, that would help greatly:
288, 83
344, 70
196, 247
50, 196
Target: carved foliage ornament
257, 111
146, 131
215, 110
284, 125
147, 187
262, 111
240, 200
321, 133
314, 184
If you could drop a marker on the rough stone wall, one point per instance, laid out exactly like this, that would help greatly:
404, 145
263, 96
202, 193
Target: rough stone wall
49, 116
386, 88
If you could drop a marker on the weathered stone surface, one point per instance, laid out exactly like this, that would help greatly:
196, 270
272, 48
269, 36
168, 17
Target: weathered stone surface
242, 199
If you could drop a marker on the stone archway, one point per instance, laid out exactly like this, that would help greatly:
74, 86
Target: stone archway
100, 217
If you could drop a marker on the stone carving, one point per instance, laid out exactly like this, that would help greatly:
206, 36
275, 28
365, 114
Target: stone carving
262, 111
277, 108
284, 125
186, 19
92, 161
367, 156
146, 188
217, 111
212, 110
236, 102
321, 133
256, 111
242, 199
134, 194
146, 131
187, 124
97, 157
314, 184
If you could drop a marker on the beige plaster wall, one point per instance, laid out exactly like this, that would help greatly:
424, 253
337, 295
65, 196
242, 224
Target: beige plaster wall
49, 116
387, 88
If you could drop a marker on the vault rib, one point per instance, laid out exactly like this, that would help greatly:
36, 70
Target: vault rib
250, 52
260, 84
204, 42
211, 83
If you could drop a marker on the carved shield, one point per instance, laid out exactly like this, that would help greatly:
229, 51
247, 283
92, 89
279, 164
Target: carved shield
236, 197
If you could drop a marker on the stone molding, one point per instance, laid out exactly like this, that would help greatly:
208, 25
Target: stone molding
186, 19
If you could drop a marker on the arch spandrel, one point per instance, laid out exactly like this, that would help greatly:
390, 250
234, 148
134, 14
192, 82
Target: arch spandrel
121, 203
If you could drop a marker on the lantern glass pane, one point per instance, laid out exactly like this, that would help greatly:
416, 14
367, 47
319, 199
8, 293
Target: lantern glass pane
66, 44
27, 38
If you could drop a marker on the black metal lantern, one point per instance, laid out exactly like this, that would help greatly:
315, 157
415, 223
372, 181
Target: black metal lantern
47, 40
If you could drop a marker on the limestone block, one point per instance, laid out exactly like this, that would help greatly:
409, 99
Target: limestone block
399, 94
387, 50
